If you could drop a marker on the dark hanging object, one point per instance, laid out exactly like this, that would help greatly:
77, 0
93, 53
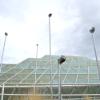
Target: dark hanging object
61, 59
50, 15
6, 33
92, 30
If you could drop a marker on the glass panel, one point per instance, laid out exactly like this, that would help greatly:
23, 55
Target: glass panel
26, 71
15, 70
19, 77
19, 90
66, 90
78, 90
55, 79
93, 70
29, 79
93, 76
82, 78
0, 89
6, 76
44, 79
83, 70
71, 78
94, 81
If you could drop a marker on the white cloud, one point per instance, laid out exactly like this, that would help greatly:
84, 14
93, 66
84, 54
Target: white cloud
26, 22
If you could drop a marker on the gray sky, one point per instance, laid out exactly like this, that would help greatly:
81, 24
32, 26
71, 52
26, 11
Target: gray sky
26, 22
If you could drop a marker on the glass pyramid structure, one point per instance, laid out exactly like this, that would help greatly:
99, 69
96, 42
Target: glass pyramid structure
76, 79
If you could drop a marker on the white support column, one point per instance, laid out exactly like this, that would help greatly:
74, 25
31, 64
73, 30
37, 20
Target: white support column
36, 60
92, 30
36, 67
96, 57
50, 61
2, 95
60, 61
6, 34
59, 87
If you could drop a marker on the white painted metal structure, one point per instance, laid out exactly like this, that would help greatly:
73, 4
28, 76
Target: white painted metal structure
78, 75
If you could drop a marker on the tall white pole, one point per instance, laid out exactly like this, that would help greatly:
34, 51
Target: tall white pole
6, 34
60, 61
36, 54
92, 30
2, 94
50, 36
36, 59
36, 66
59, 87
50, 15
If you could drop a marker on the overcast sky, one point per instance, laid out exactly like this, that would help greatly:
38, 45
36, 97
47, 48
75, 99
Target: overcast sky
26, 22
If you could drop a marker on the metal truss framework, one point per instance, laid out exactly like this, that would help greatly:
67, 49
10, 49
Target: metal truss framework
79, 78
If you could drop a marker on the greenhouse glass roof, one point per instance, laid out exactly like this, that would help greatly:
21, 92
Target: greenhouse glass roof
74, 71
